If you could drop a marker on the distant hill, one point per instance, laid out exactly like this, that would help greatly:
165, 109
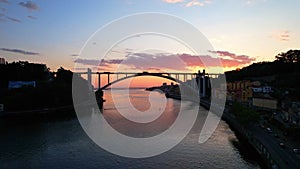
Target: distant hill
262, 69
283, 73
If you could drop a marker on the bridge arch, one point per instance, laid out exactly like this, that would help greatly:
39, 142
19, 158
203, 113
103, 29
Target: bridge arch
162, 75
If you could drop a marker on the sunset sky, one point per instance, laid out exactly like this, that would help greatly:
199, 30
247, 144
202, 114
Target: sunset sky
240, 31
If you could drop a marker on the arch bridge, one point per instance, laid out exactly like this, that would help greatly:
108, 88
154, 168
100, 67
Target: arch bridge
202, 78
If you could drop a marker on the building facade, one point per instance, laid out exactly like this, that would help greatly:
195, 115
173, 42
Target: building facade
239, 91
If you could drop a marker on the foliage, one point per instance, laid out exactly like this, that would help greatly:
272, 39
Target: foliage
283, 73
50, 91
291, 56
285, 63
244, 114
23, 71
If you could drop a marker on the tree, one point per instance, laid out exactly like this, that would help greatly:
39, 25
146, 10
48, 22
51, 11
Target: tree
244, 115
291, 56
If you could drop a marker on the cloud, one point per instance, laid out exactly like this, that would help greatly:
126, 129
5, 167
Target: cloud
173, 1
285, 36
115, 51
31, 17
3, 9
13, 19
167, 61
29, 5
4, 18
195, 3
80, 68
20, 51
193, 60
93, 62
96, 62
248, 2
232, 60
154, 69
252, 2
4, 1
282, 36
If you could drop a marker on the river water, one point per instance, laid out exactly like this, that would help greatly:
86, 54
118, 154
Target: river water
64, 144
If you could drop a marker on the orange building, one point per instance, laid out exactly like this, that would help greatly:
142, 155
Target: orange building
240, 91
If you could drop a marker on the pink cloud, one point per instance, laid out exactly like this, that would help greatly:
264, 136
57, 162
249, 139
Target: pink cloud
242, 59
154, 69
282, 36
166, 61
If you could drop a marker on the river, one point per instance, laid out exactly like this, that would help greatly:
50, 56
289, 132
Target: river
64, 144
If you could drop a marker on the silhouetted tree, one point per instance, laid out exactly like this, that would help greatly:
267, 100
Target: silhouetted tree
51, 91
243, 114
23, 71
291, 56
64, 75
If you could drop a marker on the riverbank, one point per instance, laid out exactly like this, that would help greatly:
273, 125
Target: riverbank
271, 153
244, 135
57, 112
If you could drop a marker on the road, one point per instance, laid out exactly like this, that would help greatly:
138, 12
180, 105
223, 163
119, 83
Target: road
283, 157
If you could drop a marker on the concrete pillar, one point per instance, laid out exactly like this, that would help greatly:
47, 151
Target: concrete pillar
199, 82
89, 78
194, 84
99, 80
204, 86
99, 98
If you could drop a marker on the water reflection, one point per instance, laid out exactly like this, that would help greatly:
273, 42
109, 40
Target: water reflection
63, 144
134, 129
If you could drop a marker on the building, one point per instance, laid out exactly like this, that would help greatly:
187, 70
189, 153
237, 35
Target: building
240, 91
2, 61
264, 89
263, 103
290, 111
203, 81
